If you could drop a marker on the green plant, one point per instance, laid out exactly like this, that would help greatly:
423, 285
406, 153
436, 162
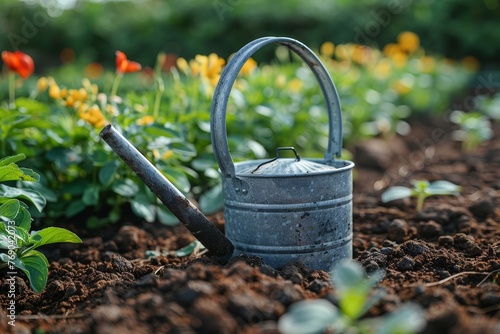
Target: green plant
475, 128
421, 190
17, 244
165, 113
489, 105
355, 296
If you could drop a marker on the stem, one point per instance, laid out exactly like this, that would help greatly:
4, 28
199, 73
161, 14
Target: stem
420, 202
12, 88
159, 92
116, 83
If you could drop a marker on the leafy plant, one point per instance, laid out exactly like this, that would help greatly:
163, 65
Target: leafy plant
165, 113
355, 295
475, 128
17, 244
421, 190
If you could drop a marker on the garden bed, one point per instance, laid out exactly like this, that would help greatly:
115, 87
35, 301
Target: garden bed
107, 285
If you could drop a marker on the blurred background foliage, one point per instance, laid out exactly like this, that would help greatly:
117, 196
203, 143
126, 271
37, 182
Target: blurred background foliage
93, 30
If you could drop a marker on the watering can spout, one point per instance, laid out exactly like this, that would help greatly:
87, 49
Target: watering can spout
199, 225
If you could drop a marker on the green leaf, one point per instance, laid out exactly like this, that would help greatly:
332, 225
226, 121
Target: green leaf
126, 188
99, 157
409, 318
212, 200
5, 240
14, 119
12, 172
107, 172
189, 249
166, 217
443, 188
9, 209
178, 178
4, 258
157, 130
35, 266
51, 235
50, 195
308, 317
31, 106
347, 273
30, 173
395, 193
12, 159
91, 195
183, 148
36, 238
55, 137
23, 219
30, 195
143, 208
74, 208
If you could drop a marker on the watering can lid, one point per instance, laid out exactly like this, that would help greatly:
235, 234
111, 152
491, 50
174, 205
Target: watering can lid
280, 166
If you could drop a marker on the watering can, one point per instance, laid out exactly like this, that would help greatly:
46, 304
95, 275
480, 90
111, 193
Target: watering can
283, 210
286, 210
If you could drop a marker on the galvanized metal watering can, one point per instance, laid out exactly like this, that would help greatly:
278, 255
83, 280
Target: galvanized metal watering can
286, 210
283, 210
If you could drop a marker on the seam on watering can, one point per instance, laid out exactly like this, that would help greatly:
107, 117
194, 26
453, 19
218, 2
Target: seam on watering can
292, 249
313, 206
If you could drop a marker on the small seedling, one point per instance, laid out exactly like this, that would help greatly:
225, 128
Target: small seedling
421, 190
355, 295
17, 244
194, 248
475, 128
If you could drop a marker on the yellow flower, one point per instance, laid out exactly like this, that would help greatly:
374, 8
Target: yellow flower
182, 65
82, 108
344, 51
86, 84
195, 67
54, 91
399, 59
295, 85
327, 49
382, 69
92, 115
408, 41
207, 67
214, 68
280, 81
42, 84
112, 110
400, 87
248, 67
391, 49
362, 54
168, 154
63, 93
427, 64
70, 101
146, 120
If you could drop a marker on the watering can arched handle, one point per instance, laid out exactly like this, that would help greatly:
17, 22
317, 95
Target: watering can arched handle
229, 74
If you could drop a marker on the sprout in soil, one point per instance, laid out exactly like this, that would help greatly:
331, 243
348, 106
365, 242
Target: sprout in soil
355, 296
421, 190
475, 128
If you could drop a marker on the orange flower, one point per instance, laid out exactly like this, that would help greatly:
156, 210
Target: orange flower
408, 41
123, 65
19, 62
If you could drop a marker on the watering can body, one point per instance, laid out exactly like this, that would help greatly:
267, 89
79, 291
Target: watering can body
298, 210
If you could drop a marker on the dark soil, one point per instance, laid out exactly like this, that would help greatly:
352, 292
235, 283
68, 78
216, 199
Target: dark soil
439, 258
